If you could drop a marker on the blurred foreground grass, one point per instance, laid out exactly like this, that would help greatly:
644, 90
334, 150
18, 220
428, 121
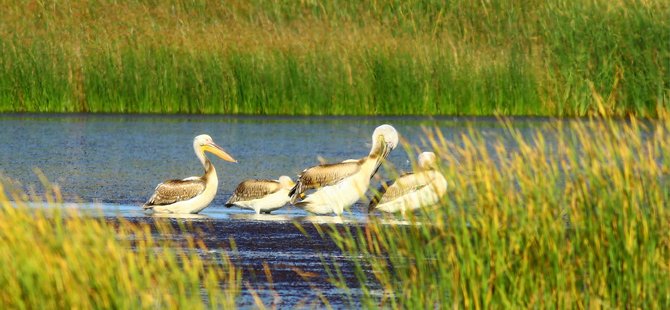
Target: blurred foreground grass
580, 222
56, 258
578, 218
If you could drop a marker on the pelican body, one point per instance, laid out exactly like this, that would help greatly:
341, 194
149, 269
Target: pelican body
338, 186
413, 190
193, 194
262, 196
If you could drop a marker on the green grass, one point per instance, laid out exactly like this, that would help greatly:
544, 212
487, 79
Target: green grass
336, 58
576, 220
56, 258
581, 223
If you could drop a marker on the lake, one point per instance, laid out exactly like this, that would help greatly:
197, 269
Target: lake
113, 162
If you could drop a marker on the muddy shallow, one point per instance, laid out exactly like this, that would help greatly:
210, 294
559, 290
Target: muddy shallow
287, 252
294, 257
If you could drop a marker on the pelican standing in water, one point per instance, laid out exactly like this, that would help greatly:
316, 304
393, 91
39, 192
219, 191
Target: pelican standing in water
262, 196
338, 186
192, 194
412, 191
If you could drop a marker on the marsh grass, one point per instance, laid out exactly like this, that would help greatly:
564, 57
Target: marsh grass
336, 58
56, 258
580, 222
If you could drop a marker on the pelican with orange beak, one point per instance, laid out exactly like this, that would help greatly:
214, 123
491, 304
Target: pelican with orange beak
193, 194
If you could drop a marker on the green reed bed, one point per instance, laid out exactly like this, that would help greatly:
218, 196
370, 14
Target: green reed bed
582, 222
56, 258
336, 58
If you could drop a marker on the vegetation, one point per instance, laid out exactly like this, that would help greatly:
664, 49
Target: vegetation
578, 218
581, 222
53, 258
335, 57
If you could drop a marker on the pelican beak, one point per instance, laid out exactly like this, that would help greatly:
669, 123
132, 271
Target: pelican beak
386, 150
218, 151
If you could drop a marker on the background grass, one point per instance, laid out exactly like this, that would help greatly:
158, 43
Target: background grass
579, 221
335, 57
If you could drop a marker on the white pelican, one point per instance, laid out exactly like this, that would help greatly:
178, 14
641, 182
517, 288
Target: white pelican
192, 194
261, 195
412, 191
338, 186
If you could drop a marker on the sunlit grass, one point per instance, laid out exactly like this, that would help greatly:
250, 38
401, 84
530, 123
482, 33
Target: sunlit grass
334, 57
56, 258
579, 222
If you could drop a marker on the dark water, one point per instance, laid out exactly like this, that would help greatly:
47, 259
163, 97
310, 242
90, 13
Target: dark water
114, 162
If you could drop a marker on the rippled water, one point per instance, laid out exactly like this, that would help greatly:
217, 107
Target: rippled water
120, 159
114, 162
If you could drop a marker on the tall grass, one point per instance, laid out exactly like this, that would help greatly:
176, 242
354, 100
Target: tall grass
333, 57
583, 222
55, 258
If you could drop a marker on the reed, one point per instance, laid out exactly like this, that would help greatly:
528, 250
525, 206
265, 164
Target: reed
57, 258
581, 222
329, 57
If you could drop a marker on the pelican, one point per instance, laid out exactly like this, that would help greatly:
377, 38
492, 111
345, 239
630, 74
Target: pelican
412, 191
192, 194
338, 186
261, 195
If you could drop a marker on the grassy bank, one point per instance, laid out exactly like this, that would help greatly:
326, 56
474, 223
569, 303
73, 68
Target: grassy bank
53, 258
580, 223
331, 57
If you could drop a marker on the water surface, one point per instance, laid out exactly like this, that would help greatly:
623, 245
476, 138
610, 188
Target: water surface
120, 159
112, 163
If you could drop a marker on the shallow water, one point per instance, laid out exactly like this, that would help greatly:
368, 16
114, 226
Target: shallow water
120, 159
112, 163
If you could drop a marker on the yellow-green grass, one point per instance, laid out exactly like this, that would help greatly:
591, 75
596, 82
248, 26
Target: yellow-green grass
583, 222
55, 258
333, 57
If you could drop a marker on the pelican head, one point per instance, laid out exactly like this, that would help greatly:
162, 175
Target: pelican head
427, 160
286, 182
384, 140
204, 143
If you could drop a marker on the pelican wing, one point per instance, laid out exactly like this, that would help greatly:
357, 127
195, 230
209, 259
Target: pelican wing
323, 175
404, 185
172, 191
253, 189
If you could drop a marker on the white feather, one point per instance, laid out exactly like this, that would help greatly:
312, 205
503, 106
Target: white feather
266, 204
426, 196
337, 197
195, 204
